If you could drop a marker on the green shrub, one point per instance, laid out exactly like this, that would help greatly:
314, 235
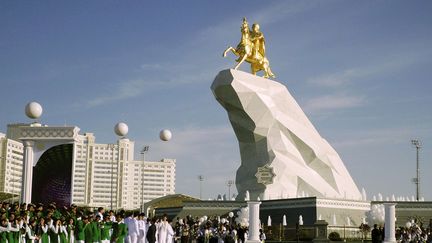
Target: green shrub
334, 236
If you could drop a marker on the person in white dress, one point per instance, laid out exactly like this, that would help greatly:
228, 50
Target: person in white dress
142, 228
30, 236
170, 233
133, 231
162, 229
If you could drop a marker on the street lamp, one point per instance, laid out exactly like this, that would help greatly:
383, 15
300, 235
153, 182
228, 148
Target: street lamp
229, 184
143, 151
200, 178
417, 145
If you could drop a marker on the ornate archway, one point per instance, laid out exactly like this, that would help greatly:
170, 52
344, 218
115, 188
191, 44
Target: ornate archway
52, 176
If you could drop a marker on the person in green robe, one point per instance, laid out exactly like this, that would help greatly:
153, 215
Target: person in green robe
12, 228
71, 230
30, 236
95, 229
63, 232
88, 230
43, 234
16, 233
119, 230
54, 231
79, 229
3, 230
31, 210
106, 227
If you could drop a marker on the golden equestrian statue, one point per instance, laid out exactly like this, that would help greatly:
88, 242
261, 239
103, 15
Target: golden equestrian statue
252, 50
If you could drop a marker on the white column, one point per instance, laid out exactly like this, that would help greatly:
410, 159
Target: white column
254, 208
27, 175
74, 152
390, 219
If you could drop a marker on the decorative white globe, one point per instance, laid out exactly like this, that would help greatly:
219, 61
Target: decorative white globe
121, 129
165, 135
33, 110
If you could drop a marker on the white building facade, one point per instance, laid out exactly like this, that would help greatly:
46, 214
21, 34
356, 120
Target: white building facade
11, 162
145, 182
103, 175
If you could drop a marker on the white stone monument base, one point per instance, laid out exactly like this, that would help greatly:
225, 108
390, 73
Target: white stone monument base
252, 241
281, 151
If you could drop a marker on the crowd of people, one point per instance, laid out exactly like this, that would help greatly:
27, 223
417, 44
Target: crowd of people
52, 224
412, 233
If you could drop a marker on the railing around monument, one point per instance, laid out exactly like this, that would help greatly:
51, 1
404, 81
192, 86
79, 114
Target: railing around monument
290, 233
348, 232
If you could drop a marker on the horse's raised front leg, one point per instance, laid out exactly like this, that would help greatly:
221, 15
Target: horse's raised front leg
230, 49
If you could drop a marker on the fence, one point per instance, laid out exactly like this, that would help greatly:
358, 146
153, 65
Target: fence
308, 233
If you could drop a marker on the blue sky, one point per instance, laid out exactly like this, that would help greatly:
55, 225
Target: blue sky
361, 70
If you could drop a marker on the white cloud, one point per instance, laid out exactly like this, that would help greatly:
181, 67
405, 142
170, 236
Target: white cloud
379, 137
172, 76
331, 102
151, 66
337, 79
340, 80
386, 66
125, 90
284, 9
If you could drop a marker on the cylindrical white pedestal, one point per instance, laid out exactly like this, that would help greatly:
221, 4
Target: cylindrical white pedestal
390, 222
254, 208
27, 175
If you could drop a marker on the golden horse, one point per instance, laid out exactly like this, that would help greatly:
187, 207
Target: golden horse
247, 51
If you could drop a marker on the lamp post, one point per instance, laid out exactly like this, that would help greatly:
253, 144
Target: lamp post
200, 178
143, 151
229, 184
417, 145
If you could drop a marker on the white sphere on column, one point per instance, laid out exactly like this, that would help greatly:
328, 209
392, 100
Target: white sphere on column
33, 110
121, 129
165, 135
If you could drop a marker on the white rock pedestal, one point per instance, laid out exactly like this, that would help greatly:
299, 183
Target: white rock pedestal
281, 151
254, 225
390, 222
